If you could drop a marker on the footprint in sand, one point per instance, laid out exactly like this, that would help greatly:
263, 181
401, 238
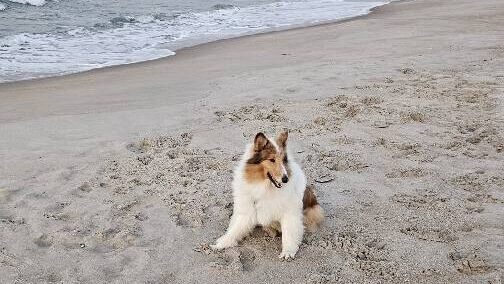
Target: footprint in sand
439, 234
407, 70
324, 274
251, 113
85, 187
413, 116
365, 253
369, 101
407, 173
247, 258
419, 201
291, 90
470, 263
238, 259
44, 241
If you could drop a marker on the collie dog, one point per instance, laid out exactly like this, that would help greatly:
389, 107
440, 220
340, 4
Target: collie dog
269, 189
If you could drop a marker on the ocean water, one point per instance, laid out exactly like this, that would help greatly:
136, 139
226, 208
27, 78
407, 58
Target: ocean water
42, 38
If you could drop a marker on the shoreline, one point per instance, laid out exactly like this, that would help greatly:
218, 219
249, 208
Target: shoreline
123, 174
203, 44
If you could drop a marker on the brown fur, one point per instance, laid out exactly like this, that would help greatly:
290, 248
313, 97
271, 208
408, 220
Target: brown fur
282, 139
309, 198
313, 213
313, 218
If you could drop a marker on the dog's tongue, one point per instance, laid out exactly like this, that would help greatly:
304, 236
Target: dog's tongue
277, 185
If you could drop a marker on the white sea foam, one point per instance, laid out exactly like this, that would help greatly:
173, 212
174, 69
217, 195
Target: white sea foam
30, 2
24, 56
2, 7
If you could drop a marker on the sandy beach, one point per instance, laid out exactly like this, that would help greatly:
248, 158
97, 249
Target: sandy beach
122, 174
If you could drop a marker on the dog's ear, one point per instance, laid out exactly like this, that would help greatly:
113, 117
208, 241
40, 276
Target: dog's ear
260, 142
282, 139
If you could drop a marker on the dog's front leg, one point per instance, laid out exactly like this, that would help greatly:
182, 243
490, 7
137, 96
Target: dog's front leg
292, 234
242, 222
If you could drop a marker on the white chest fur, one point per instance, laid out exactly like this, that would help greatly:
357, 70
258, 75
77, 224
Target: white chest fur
274, 204
269, 203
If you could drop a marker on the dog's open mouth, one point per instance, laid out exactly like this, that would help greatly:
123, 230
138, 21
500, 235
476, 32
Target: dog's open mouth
274, 182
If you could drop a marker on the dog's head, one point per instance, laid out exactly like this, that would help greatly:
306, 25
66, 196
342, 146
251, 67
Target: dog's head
269, 160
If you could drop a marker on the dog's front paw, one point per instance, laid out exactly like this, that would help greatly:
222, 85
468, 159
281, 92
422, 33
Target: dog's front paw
287, 255
224, 242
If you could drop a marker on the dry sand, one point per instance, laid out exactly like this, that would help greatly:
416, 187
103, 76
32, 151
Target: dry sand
122, 175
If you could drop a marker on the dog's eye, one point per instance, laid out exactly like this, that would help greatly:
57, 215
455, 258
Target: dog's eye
272, 160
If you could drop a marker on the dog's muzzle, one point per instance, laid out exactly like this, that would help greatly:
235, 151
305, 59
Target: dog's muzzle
274, 182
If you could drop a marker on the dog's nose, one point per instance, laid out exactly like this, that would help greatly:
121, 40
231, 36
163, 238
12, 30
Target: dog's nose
285, 179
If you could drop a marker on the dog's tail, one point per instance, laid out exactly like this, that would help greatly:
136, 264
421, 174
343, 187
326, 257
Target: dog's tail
313, 213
